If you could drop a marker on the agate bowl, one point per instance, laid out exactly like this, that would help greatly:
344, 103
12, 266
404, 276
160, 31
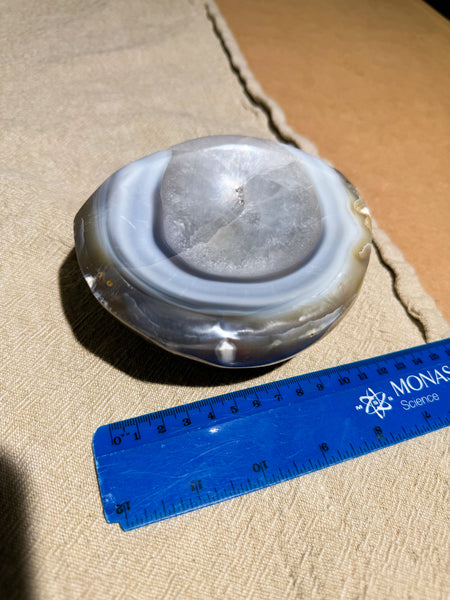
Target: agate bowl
230, 250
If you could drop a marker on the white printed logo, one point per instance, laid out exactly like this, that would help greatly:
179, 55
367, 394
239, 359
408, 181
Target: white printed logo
375, 403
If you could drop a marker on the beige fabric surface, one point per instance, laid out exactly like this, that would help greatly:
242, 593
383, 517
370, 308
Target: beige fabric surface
86, 88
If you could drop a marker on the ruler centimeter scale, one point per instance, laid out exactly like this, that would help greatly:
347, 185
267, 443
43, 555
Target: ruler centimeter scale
180, 459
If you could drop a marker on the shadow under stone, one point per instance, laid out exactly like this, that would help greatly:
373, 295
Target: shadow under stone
106, 337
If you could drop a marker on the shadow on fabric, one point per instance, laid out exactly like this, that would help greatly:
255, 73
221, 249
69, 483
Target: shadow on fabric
15, 578
113, 342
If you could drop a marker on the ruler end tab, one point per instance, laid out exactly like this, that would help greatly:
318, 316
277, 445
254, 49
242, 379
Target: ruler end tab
101, 440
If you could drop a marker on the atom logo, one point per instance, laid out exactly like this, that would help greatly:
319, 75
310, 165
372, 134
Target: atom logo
375, 403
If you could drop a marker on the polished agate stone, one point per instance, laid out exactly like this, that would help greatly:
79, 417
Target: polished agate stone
230, 250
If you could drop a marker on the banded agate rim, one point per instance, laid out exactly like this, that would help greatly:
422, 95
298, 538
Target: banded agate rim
230, 250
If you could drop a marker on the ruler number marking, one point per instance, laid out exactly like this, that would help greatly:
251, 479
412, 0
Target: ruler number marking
196, 486
259, 467
378, 432
324, 448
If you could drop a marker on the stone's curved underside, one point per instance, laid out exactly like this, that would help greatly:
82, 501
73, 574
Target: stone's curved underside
234, 251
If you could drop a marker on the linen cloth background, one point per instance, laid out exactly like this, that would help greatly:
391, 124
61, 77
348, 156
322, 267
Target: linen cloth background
86, 88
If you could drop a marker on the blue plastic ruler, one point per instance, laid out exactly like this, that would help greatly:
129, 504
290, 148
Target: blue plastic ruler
172, 461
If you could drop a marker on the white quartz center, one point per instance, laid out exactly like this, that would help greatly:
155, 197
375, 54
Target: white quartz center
238, 211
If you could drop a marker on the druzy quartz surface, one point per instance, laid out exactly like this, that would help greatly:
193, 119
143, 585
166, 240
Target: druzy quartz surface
231, 250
